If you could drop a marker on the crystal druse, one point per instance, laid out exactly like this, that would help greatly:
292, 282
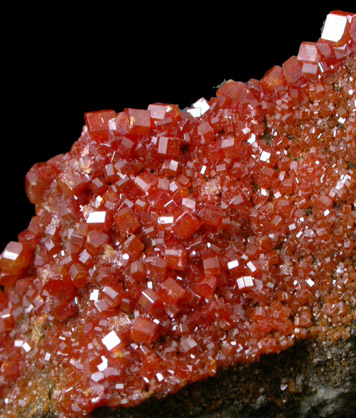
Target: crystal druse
167, 244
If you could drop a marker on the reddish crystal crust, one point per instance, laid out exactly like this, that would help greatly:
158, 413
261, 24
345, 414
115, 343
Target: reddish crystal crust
169, 243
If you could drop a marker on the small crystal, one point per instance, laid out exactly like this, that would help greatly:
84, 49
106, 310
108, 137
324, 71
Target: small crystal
139, 122
203, 169
188, 203
265, 156
202, 105
195, 112
97, 376
126, 220
170, 292
334, 27
26, 347
188, 344
143, 330
245, 282
185, 225
227, 143
15, 258
310, 282
98, 123
232, 264
211, 265
159, 377
104, 364
165, 220
111, 340
308, 51
96, 217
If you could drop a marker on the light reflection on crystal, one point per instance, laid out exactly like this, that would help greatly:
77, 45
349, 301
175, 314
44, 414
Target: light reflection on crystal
201, 104
232, 264
245, 282
111, 340
96, 217
334, 27
265, 156
164, 220
104, 364
26, 347
159, 377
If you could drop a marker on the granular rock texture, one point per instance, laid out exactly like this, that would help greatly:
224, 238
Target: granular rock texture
312, 380
170, 245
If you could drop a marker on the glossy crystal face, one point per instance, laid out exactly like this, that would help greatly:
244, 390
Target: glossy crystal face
169, 243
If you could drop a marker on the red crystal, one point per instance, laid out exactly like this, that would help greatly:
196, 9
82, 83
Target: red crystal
15, 258
126, 220
143, 330
170, 242
185, 225
176, 257
98, 123
140, 123
170, 292
150, 301
206, 286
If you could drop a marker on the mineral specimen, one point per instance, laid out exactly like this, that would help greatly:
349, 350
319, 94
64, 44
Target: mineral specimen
169, 244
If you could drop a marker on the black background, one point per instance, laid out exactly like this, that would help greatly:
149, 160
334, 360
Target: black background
59, 63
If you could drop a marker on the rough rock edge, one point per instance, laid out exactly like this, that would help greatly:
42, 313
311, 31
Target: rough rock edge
314, 379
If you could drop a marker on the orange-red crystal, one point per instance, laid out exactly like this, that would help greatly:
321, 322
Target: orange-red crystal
169, 243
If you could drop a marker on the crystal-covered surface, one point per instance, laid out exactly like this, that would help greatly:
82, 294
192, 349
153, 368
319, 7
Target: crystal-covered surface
169, 243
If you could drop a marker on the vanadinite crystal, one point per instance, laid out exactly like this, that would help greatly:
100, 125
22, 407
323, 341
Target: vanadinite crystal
168, 244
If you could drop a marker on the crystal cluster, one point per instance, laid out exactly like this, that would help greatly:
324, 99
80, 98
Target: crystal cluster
167, 244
